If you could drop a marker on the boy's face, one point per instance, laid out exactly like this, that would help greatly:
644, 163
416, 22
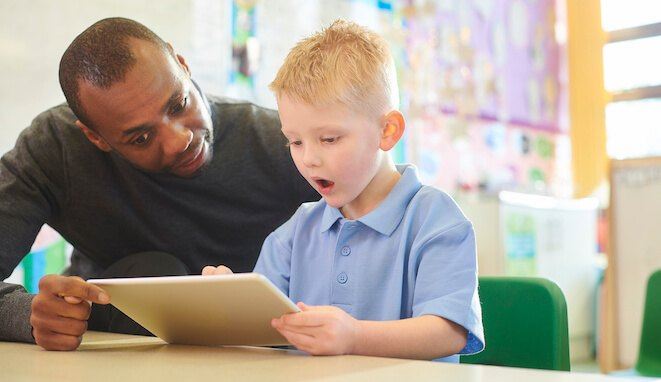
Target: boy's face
337, 150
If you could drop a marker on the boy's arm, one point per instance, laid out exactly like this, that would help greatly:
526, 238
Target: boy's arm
328, 330
425, 337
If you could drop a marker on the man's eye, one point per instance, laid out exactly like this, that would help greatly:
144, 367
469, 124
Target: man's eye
141, 140
180, 106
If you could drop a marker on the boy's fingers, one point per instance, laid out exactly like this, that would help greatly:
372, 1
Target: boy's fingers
223, 270
219, 270
73, 287
311, 331
301, 341
307, 318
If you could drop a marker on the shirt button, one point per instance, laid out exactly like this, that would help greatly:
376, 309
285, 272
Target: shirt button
342, 278
345, 251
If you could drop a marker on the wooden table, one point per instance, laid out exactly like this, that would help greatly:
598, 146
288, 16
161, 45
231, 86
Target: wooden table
117, 357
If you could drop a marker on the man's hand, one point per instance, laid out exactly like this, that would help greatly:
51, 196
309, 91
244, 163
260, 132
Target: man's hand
61, 309
319, 330
219, 270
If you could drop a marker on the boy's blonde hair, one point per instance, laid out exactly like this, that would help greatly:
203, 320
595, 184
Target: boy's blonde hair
344, 63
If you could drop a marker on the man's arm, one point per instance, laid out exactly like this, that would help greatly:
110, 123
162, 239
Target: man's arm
26, 202
15, 313
33, 190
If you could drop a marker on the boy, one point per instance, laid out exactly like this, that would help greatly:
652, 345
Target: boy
384, 266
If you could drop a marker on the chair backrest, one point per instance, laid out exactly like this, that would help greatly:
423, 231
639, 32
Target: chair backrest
649, 354
525, 324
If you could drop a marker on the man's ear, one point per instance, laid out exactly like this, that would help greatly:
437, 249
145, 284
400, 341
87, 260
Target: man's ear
392, 130
94, 137
180, 59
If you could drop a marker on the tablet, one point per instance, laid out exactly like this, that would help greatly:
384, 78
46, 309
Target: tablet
233, 309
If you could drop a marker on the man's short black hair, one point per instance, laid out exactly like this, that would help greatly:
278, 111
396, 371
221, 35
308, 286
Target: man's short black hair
101, 56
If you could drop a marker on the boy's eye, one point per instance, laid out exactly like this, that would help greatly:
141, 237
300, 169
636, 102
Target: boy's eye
180, 106
141, 140
294, 143
330, 139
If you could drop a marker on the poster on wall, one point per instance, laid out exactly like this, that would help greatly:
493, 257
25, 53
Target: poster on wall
481, 87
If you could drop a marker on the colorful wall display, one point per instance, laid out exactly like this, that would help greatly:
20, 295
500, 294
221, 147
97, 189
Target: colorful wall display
245, 49
49, 255
480, 85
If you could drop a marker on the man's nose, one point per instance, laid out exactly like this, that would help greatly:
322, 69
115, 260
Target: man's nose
175, 139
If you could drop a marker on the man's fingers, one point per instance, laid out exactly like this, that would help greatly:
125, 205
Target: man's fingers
60, 325
73, 287
49, 305
54, 341
72, 300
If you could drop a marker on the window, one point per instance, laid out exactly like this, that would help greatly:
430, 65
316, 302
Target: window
632, 75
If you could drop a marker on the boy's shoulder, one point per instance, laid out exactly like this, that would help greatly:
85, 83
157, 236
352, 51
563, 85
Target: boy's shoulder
310, 212
307, 217
432, 206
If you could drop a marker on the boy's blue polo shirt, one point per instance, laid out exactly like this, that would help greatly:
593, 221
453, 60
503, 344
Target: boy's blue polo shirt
412, 255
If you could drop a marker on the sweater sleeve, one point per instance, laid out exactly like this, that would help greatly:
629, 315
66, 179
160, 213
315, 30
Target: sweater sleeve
15, 313
32, 182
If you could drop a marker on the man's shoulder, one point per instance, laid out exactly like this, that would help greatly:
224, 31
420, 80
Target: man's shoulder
242, 113
56, 122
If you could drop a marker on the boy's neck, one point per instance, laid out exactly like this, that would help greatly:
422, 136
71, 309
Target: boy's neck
375, 192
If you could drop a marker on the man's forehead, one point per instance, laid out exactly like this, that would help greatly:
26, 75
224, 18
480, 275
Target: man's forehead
142, 95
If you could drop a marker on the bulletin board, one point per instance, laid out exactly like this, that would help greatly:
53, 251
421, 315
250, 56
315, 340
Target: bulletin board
635, 252
480, 82
480, 85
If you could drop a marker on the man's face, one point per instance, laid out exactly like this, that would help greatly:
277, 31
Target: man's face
155, 118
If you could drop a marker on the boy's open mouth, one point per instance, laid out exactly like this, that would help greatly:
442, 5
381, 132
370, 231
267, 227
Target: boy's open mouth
324, 184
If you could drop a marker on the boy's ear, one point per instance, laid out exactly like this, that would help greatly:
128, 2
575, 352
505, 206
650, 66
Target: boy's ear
392, 130
94, 137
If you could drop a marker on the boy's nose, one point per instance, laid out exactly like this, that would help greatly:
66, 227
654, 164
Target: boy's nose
311, 157
176, 139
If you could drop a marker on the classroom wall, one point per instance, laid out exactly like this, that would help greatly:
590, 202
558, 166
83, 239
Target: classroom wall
35, 33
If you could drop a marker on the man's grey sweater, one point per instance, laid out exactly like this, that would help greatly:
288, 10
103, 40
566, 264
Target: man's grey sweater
107, 209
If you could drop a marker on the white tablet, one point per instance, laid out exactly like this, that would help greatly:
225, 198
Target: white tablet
231, 309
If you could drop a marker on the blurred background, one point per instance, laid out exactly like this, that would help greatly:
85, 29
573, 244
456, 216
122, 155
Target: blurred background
541, 118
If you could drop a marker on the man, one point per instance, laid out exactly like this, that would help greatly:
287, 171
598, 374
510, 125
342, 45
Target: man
142, 174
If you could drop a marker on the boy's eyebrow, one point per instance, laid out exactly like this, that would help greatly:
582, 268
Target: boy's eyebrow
320, 127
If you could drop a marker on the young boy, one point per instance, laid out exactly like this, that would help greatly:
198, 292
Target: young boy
383, 265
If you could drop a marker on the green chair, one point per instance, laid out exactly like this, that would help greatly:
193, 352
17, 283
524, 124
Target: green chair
649, 353
525, 324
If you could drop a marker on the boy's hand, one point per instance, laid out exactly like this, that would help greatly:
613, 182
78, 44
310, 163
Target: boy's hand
61, 309
219, 270
319, 330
